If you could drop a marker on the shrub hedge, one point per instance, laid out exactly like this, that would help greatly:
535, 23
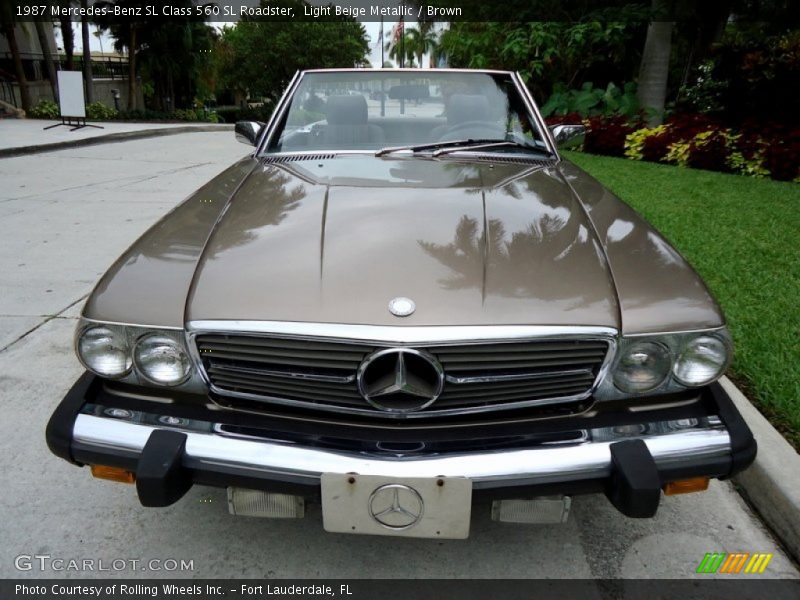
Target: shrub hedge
697, 141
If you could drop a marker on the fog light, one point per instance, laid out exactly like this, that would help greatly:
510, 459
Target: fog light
547, 509
255, 503
113, 474
686, 486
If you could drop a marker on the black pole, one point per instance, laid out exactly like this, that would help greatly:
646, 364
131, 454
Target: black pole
402, 41
383, 96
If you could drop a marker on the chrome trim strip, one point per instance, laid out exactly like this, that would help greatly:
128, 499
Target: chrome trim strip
408, 70
514, 377
565, 462
155, 328
547, 136
391, 334
292, 375
277, 114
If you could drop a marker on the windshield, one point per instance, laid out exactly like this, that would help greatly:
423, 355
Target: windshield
373, 110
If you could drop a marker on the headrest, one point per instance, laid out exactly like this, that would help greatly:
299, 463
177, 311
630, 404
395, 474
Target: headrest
346, 110
467, 107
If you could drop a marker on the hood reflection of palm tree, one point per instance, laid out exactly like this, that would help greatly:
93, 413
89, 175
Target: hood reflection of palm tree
265, 202
186, 231
515, 262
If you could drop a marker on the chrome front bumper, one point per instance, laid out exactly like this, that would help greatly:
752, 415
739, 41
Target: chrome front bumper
628, 456
669, 443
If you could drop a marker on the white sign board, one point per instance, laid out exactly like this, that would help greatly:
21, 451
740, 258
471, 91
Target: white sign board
70, 94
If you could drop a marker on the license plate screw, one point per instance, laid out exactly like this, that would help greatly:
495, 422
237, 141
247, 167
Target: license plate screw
351, 479
440, 482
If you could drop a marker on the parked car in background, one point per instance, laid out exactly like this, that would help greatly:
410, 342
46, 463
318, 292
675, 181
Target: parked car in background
398, 310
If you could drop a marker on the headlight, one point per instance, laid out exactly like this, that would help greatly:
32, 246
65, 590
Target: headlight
642, 367
701, 361
104, 352
161, 359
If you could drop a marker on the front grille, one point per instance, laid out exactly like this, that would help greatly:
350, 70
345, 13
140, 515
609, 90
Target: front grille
322, 374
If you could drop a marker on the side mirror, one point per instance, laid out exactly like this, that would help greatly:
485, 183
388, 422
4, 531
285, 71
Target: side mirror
247, 132
568, 136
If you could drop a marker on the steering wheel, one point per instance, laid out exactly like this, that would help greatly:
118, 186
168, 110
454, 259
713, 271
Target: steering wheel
474, 129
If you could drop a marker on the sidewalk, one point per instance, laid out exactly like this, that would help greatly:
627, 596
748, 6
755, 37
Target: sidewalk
27, 136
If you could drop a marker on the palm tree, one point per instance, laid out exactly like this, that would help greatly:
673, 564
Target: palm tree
404, 50
654, 69
7, 26
422, 41
68, 36
47, 55
88, 80
126, 32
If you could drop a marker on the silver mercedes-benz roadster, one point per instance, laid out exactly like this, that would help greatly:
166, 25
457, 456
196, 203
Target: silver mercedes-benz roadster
405, 306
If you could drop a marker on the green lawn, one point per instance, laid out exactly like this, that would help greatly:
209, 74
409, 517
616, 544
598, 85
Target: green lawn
743, 236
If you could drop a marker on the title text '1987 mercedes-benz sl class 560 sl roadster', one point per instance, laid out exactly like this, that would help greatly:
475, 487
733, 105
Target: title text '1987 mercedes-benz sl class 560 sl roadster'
402, 305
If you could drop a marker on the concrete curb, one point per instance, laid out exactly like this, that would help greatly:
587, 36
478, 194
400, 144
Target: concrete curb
123, 136
772, 483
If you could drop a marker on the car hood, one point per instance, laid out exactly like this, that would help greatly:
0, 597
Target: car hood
334, 239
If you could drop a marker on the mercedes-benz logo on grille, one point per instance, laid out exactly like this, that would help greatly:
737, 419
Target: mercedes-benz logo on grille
396, 506
400, 379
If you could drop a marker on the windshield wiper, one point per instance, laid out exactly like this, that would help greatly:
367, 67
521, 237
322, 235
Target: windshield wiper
442, 148
432, 145
487, 145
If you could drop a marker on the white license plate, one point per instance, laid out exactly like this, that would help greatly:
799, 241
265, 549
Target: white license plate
430, 507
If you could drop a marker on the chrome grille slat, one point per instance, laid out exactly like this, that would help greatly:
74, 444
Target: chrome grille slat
299, 362
494, 379
530, 365
321, 373
216, 350
515, 357
309, 376
279, 391
501, 398
531, 389
518, 347
284, 384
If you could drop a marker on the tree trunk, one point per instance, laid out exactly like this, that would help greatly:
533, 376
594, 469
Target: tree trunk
654, 69
68, 35
88, 80
132, 68
22, 81
50, 66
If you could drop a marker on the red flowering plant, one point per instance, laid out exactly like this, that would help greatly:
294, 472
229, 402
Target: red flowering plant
606, 134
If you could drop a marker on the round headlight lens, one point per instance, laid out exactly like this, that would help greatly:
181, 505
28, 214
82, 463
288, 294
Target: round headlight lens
104, 352
701, 361
161, 360
642, 367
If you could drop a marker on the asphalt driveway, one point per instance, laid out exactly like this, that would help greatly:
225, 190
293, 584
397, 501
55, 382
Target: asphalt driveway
64, 217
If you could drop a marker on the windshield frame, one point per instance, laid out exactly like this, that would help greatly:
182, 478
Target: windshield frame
270, 129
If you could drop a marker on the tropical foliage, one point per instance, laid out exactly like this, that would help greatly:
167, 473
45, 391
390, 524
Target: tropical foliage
259, 58
45, 109
590, 101
594, 47
696, 141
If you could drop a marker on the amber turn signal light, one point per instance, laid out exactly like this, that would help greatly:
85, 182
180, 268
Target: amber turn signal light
686, 486
113, 474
